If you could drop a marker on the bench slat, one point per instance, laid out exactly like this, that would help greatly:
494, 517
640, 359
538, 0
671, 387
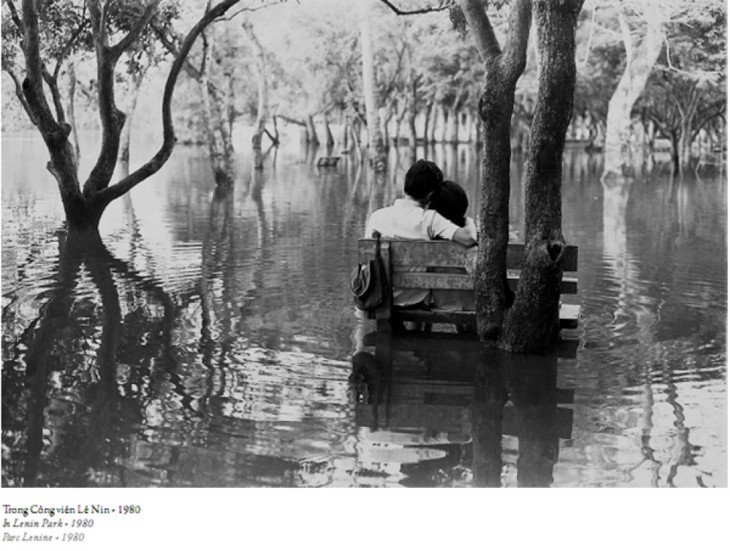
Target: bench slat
461, 282
569, 314
413, 252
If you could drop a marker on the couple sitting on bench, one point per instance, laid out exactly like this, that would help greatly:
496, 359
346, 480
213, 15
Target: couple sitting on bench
432, 209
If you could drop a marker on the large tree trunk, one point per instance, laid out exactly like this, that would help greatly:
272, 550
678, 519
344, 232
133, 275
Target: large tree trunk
640, 59
375, 136
492, 293
533, 320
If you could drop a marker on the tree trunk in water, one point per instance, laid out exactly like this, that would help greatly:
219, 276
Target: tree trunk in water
262, 108
532, 322
502, 70
451, 131
427, 123
312, 138
83, 207
220, 148
640, 59
385, 114
412, 133
375, 137
329, 138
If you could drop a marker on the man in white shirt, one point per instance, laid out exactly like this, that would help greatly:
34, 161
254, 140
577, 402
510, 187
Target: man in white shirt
408, 218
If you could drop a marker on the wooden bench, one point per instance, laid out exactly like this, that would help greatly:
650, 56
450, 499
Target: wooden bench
435, 257
328, 161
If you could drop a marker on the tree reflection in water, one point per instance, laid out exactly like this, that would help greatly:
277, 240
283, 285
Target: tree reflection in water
435, 411
67, 401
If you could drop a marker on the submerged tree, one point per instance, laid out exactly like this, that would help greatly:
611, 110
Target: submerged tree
503, 67
113, 29
643, 40
375, 133
531, 321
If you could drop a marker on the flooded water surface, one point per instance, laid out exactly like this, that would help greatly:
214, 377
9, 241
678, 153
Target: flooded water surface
213, 343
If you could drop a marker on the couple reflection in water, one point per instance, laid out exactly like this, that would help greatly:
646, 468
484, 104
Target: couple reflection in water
449, 412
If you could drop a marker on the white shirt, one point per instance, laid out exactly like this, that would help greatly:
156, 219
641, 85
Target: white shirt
407, 219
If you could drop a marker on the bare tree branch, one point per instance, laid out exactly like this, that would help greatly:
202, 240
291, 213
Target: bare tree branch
250, 10
445, 5
14, 15
292, 120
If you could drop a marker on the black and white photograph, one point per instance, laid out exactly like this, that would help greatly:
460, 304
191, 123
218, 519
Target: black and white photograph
473, 249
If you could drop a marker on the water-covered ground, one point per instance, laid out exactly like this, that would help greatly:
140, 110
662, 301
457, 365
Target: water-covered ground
214, 342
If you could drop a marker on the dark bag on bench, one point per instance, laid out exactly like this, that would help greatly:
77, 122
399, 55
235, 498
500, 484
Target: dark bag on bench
369, 281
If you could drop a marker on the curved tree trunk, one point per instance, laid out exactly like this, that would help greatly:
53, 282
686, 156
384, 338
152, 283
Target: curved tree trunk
533, 320
640, 59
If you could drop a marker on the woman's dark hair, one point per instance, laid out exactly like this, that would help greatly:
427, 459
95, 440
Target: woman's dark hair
450, 201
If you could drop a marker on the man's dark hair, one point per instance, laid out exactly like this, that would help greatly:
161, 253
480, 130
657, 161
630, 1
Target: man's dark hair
451, 202
422, 178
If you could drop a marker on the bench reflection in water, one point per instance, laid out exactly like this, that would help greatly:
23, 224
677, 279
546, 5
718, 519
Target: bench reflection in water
443, 410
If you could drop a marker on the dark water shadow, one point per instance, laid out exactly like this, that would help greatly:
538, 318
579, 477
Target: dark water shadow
70, 400
441, 407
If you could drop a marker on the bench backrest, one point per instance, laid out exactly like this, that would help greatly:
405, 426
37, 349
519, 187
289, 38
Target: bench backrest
440, 255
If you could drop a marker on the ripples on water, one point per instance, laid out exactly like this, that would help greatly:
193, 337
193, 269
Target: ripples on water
213, 342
